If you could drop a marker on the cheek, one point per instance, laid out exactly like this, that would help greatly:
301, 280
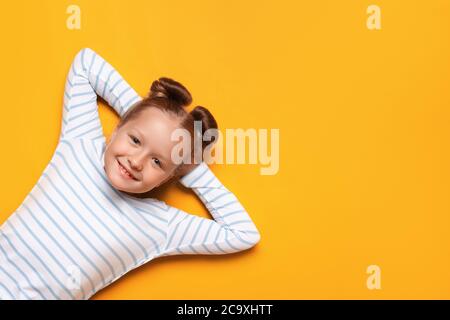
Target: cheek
119, 149
153, 176
121, 145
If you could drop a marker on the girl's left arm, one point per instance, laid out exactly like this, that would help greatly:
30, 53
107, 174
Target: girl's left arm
232, 229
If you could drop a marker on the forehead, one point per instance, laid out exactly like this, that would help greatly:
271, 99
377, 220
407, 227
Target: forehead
155, 126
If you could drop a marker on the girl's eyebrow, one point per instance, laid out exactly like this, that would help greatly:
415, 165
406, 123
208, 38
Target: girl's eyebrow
155, 153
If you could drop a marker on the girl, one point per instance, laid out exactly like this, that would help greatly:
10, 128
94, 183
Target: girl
85, 223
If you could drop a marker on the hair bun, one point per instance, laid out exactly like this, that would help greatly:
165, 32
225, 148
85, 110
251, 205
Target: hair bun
202, 114
172, 90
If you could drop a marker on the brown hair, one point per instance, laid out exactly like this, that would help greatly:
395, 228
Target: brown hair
172, 97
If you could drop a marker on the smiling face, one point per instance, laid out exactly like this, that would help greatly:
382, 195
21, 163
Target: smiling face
141, 147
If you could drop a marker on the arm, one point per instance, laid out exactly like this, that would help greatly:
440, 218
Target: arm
231, 230
90, 75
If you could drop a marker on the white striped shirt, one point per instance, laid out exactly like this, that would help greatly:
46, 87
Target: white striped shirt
74, 233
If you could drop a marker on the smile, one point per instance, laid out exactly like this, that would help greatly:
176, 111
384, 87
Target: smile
125, 172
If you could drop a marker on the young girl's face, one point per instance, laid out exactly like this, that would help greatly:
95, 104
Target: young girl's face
143, 147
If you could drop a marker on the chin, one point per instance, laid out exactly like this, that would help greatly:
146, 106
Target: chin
115, 182
119, 186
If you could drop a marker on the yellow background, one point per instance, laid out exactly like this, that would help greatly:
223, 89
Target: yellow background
364, 125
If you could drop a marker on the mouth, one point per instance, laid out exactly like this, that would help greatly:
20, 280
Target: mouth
125, 173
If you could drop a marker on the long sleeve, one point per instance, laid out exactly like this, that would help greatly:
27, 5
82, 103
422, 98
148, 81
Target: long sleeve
90, 75
231, 230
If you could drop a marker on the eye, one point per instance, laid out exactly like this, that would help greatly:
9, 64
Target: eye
134, 139
157, 161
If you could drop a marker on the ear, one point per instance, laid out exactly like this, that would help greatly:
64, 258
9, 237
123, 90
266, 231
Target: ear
113, 134
168, 178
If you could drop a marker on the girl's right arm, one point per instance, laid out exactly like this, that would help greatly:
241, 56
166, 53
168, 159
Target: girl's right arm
91, 75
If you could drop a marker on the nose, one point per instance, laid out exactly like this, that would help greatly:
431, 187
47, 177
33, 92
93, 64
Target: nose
136, 161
